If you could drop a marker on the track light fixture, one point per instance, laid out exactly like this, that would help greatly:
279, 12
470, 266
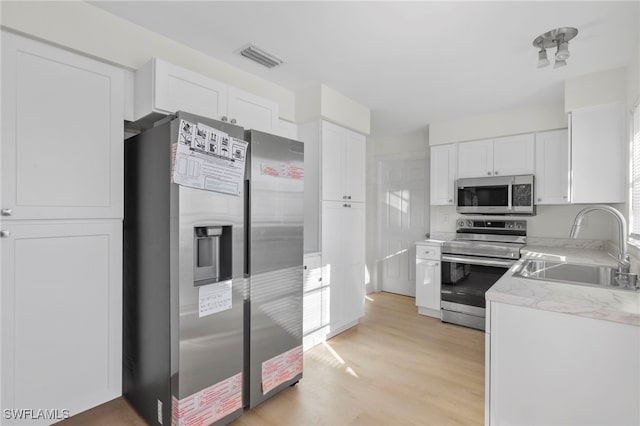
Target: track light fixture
558, 38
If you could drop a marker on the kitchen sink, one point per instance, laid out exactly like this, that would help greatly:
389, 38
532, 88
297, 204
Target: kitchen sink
573, 273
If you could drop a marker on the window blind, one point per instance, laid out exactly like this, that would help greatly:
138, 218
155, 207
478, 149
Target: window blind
635, 174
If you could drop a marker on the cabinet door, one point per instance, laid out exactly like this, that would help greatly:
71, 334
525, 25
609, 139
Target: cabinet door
333, 167
552, 167
332, 261
353, 255
514, 155
475, 159
251, 111
443, 174
62, 133
354, 163
61, 308
598, 144
167, 88
428, 284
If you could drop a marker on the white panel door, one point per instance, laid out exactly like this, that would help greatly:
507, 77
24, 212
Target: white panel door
444, 162
178, 89
552, 167
251, 111
475, 159
514, 155
355, 154
333, 157
62, 133
61, 314
403, 220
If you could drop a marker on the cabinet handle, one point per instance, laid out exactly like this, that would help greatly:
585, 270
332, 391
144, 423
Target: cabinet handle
564, 197
344, 197
5, 234
6, 212
224, 118
489, 173
349, 205
304, 267
233, 121
348, 197
320, 279
495, 173
450, 201
539, 199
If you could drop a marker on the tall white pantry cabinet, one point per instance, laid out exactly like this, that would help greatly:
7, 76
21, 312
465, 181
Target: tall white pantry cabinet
335, 226
62, 211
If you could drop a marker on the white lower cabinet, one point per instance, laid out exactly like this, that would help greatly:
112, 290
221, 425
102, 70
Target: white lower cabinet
315, 320
61, 304
428, 279
550, 368
343, 260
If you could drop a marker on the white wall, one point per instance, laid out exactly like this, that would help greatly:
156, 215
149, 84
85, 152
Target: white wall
527, 119
401, 146
92, 31
549, 222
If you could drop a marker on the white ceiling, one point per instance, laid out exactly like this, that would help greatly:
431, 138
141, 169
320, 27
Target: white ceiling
411, 63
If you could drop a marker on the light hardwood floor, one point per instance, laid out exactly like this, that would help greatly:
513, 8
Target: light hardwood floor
395, 368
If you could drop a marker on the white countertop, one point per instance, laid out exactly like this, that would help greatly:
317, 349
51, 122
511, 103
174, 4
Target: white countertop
594, 302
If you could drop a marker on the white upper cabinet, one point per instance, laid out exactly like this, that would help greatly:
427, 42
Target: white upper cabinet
514, 155
509, 155
598, 154
164, 88
552, 167
443, 174
251, 111
475, 159
343, 163
62, 133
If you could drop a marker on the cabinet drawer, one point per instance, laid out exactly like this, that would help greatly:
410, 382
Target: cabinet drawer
430, 252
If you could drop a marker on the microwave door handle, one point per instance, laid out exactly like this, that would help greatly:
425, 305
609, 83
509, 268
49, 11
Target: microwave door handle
510, 196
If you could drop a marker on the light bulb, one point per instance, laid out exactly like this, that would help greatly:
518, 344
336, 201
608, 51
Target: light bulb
542, 58
563, 51
558, 64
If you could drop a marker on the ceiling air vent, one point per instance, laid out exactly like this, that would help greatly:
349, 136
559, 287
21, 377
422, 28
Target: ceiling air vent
260, 56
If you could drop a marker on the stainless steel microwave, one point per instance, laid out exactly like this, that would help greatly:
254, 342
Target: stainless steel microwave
496, 195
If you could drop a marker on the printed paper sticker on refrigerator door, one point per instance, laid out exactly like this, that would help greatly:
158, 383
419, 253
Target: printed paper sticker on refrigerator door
209, 159
209, 405
281, 368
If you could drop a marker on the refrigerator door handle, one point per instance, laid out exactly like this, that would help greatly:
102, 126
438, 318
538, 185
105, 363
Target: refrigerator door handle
247, 228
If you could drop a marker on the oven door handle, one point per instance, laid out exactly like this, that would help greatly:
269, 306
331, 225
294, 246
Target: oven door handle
482, 261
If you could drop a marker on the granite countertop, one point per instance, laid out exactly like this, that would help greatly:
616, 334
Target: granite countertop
594, 302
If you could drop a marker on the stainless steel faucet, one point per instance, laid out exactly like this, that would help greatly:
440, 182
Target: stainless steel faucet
623, 275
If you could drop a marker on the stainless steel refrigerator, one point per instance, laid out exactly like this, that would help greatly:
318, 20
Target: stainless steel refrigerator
273, 314
184, 286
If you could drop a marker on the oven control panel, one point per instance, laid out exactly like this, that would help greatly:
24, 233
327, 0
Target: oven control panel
485, 224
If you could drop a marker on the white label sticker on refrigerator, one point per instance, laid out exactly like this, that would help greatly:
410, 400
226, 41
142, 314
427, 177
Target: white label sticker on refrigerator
214, 298
207, 158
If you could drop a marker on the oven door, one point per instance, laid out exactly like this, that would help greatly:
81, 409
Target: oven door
465, 280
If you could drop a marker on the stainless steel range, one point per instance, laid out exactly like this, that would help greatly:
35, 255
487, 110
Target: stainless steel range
481, 253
